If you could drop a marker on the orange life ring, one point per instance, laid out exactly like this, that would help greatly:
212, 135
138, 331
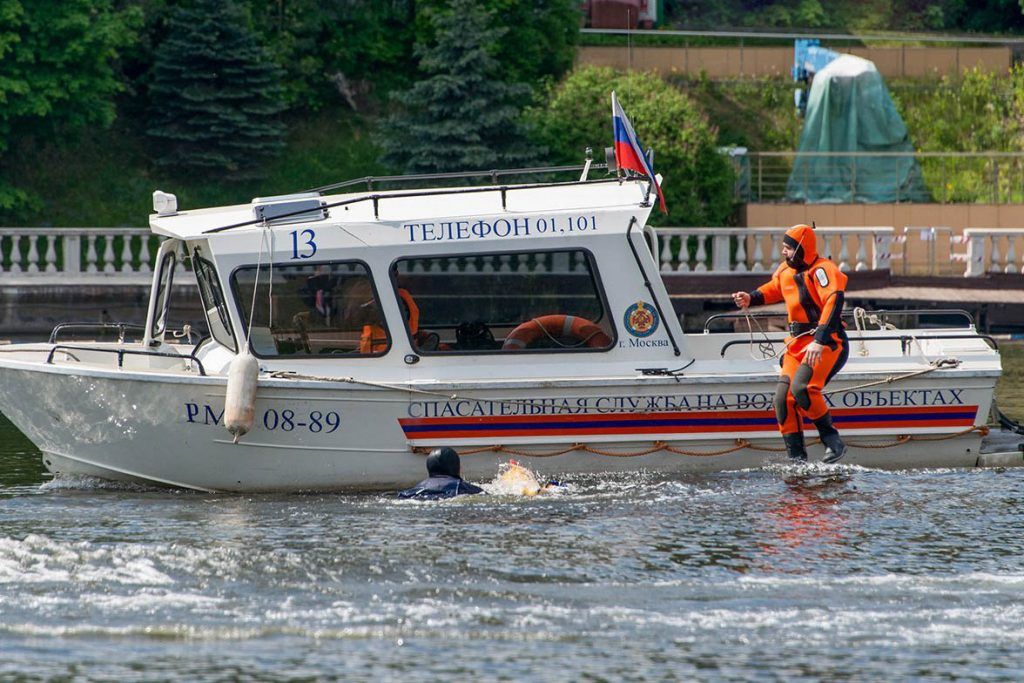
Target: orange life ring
557, 327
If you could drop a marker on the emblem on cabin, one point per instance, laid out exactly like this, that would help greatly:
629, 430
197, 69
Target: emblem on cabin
641, 319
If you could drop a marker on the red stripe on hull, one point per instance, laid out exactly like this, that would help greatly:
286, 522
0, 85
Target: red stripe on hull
690, 414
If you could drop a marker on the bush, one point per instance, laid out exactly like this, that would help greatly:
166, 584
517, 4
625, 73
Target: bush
698, 181
973, 113
976, 112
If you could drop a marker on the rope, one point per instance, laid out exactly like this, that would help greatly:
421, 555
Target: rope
740, 444
287, 374
901, 439
256, 287
983, 430
936, 365
861, 319
186, 331
559, 344
766, 347
657, 446
270, 289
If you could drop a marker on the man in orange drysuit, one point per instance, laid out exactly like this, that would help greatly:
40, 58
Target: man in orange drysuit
816, 348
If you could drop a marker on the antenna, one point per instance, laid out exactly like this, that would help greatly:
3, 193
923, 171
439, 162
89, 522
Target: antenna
629, 53
629, 40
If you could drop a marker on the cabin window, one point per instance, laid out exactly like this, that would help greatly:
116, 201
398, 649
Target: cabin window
312, 310
213, 302
165, 279
547, 301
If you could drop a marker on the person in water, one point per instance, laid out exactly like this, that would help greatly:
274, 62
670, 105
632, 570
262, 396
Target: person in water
817, 347
444, 478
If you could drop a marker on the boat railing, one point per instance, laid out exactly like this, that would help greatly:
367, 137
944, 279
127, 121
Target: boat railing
849, 314
493, 176
122, 330
121, 353
377, 198
80, 256
906, 340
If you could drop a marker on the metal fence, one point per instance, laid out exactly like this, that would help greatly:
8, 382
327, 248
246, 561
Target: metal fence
968, 177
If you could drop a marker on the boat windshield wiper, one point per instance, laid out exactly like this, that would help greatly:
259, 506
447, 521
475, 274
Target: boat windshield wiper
665, 372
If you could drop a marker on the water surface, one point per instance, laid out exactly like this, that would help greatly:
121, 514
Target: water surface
790, 573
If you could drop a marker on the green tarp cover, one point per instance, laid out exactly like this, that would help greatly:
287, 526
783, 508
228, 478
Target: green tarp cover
849, 110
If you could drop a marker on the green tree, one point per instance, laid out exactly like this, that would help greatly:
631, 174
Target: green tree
698, 183
989, 16
337, 49
58, 70
215, 96
539, 41
462, 115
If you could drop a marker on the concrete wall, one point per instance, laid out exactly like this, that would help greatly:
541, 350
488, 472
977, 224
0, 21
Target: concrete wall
921, 253
31, 312
729, 62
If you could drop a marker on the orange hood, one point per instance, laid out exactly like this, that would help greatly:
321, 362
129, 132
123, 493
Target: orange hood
803, 239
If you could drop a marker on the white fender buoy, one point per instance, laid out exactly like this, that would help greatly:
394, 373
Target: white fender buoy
240, 398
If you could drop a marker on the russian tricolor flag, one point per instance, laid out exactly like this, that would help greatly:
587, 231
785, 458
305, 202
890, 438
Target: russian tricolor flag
628, 152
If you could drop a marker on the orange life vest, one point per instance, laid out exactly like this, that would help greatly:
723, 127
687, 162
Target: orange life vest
374, 338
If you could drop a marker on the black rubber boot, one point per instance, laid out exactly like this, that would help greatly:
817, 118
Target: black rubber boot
795, 446
835, 449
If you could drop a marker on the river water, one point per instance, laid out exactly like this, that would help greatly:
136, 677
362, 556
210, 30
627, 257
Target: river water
779, 573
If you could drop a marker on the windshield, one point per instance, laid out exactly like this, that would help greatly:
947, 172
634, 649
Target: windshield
213, 301
512, 302
312, 310
165, 278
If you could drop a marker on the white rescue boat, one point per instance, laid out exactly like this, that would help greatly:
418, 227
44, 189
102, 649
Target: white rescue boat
358, 331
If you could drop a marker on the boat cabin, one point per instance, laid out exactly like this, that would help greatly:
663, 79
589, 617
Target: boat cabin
454, 276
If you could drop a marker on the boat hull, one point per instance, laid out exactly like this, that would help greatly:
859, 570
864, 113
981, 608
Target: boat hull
168, 430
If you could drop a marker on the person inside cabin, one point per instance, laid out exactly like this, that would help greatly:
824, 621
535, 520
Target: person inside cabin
444, 478
318, 294
363, 313
812, 288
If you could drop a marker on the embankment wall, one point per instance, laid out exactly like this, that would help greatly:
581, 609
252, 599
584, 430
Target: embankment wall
31, 312
731, 62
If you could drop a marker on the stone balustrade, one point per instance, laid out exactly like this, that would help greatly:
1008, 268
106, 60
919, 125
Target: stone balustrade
77, 256
992, 250
727, 251
96, 256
